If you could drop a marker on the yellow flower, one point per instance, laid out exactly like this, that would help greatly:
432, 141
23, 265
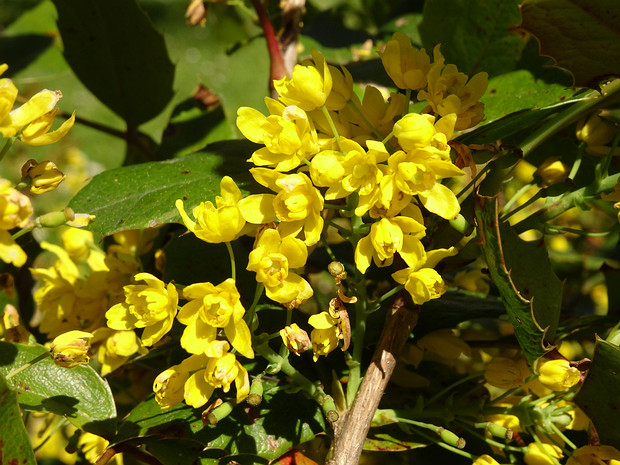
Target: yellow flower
34, 119
92, 446
485, 460
44, 176
295, 339
151, 306
10, 251
505, 373
405, 65
297, 204
272, 259
508, 421
309, 86
552, 171
389, 236
595, 455
8, 94
221, 370
444, 343
169, 384
449, 91
326, 333
15, 207
415, 131
597, 133
209, 308
115, 348
421, 280
288, 135
38, 131
472, 281
70, 349
558, 375
542, 455
357, 170
342, 88
216, 224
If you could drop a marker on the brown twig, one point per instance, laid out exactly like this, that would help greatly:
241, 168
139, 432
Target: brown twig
350, 432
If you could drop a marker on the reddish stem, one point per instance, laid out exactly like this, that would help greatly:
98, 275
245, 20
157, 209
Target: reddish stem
278, 70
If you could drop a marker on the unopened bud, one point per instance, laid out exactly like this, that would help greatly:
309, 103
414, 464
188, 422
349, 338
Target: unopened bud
449, 437
51, 220
78, 220
336, 269
44, 176
70, 349
552, 171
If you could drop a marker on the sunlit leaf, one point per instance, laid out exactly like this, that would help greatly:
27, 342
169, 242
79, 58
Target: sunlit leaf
79, 394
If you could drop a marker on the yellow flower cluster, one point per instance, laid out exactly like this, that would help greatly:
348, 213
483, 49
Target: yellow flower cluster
82, 285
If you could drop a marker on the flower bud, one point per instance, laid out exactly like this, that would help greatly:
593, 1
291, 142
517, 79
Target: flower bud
558, 375
485, 460
535, 454
295, 339
70, 349
504, 373
552, 171
44, 176
51, 220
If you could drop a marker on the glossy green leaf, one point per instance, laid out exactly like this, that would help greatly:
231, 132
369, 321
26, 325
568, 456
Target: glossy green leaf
268, 432
142, 196
522, 272
475, 35
15, 445
582, 36
79, 394
599, 397
113, 48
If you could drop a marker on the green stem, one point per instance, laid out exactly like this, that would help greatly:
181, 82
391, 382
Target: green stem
524, 205
7, 146
355, 364
516, 197
249, 315
579, 232
364, 119
607, 161
446, 446
332, 126
376, 305
569, 116
233, 269
490, 441
557, 431
575, 169
346, 233
555, 206
63, 421
312, 389
21, 232
443, 392
474, 179
27, 365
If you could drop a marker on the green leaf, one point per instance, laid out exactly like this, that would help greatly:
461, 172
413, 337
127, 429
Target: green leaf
475, 35
268, 431
15, 445
582, 36
79, 394
522, 273
142, 196
599, 397
114, 50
